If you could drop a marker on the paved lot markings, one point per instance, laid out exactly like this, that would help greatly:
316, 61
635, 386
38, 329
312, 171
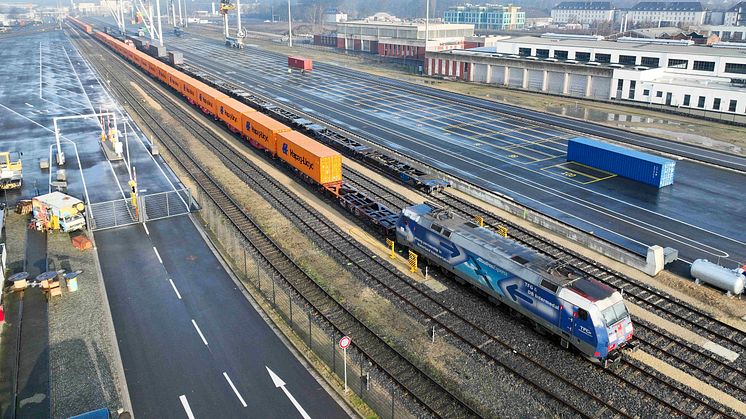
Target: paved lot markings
579, 173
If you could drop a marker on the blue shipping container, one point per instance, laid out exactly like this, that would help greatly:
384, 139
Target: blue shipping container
621, 161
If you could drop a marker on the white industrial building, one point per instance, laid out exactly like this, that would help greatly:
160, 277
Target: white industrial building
667, 13
664, 72
583, 12
736, 15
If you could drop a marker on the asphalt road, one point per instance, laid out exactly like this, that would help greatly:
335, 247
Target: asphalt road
164, 354
183, 326
521, 158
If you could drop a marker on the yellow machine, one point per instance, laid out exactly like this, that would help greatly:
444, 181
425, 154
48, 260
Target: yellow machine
11, 170
57, 211
226, 6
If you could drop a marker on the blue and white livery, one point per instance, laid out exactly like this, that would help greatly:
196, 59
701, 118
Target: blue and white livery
583, 312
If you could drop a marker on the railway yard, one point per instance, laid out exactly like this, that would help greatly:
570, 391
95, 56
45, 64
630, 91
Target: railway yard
232, 262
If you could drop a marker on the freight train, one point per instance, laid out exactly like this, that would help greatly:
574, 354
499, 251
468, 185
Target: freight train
583, 312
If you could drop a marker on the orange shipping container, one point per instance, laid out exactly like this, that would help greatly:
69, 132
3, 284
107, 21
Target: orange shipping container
315, 160
207, 98
262, 130
233, 113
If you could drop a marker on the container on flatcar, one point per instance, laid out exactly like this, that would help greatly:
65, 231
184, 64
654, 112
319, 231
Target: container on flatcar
315, 160
208, 98
642, 167
234, 113
300, 63
262, 130
175, 57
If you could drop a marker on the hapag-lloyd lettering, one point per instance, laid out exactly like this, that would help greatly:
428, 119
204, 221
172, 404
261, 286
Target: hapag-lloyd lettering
262, 136
301, 159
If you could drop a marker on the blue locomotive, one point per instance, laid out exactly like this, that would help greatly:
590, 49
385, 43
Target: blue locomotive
583, 312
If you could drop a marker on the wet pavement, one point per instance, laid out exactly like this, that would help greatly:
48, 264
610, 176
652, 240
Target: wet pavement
520, 157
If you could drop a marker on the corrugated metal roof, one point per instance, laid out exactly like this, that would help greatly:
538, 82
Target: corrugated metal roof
622, 150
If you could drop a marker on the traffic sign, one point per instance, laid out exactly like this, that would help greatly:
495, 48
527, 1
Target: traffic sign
345, 342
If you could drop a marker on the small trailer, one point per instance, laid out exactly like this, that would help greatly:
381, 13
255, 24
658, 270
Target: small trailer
58, 211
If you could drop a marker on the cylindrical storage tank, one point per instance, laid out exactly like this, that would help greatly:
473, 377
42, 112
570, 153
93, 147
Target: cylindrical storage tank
718, 276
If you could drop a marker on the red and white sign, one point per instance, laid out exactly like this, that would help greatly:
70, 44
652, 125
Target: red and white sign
345, 342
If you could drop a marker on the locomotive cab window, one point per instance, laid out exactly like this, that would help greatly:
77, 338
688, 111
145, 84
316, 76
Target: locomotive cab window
520, 259
614, 313
582, 314
436, 228
447, 233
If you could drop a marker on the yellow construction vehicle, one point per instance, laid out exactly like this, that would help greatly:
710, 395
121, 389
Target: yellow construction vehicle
226, 6
11, 170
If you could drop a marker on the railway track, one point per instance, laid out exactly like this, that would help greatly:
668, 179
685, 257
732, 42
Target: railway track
432, 397
372, 269
239, 164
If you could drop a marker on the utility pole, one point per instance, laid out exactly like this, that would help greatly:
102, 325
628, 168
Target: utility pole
290, 26
238, 19
181, 18
427, 22
173, 13
186, 14
160, 28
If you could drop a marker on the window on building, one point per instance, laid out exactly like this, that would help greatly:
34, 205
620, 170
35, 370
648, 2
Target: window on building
632, 85
716, 104
620, 84
583, 56
627, 59
603, 58
646, 92
732, 105
735, 68
542, 53
524, 52
659, 94
701, 102
704, 66
649, 61
560, 55
678, 63
687, 100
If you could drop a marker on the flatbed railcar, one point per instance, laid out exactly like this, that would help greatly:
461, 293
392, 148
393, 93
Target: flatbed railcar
583, 312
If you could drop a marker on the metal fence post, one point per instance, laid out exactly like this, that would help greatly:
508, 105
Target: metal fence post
392, 402
168, 207
290, 303
310, 340
273, 290
114, 210
334, 356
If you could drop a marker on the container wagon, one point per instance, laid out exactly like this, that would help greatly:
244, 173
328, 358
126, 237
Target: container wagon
314, 160
631, 164
262, 131
300, 63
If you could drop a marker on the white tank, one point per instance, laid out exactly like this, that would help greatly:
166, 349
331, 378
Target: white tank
731, 281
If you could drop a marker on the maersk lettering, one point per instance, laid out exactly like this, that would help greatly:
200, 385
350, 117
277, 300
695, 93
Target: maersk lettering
301, 159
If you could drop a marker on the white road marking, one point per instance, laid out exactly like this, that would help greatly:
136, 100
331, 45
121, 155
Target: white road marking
234, 389
185, 404
200, 332
174, 287
146, 229
277, 381
28, 104
158, 255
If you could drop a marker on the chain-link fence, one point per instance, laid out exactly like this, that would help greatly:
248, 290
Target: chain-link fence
165, 204
366, 380
110, 214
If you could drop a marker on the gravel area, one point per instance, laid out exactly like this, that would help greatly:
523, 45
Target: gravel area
81, 355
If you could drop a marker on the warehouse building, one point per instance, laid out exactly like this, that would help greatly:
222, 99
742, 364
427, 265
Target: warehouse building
582, 12
664, 72
404, 40
487, 17
667, 13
